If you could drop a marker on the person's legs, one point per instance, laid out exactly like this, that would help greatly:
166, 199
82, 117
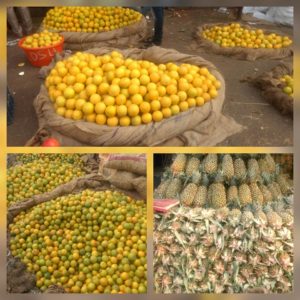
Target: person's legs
158, 26
239, 13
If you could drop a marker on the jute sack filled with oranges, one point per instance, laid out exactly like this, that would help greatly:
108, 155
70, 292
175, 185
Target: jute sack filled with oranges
243, 42
88, 35
73, 217
125, 171
277, 87
201, 124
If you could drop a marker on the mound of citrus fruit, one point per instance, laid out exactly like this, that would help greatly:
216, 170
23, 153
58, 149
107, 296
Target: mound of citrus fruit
42, 39
89, 19
37, 177
114, 90
47, 157
235, 35
288, 85
90, 242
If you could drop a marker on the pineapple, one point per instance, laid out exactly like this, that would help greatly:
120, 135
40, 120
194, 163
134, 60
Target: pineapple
285, 161
274, 191
174, 188
267, 195
256, 194
188, 194
278, 206
274, 220
270, 163
240, 171
246, 271
234, 217
264, 170
283, 184
222, 250
244, 194
192, 166
258, 213
253, 170
227, 167
210, 164
263, 165
200, 197
222, 213
179, 163
247, 218
233, 195
275, 271
160, 192
277, 187
218, 195
286, 215
287, 219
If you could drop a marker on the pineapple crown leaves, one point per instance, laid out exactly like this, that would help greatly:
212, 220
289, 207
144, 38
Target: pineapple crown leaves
182, 266
218, 176
233, 181
205, 180
289, 201
267, 177
179, 238
236, 268
278, 205
195, 177
167, 174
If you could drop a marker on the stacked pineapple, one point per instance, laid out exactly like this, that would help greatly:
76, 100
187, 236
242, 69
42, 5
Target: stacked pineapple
233, 229
218, 180
203, 250
285, 162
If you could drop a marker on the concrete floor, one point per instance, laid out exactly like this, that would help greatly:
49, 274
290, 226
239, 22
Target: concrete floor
265, 125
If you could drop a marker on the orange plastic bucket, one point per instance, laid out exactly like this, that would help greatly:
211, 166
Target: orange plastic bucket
41, 56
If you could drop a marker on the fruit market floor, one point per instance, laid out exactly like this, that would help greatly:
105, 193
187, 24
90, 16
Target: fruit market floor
265, 125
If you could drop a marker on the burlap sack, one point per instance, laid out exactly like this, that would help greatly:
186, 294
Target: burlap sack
134, 163
205, 126
120, 179
125, 180
271, 86
92, 181
140, 185
129, 36
239, 52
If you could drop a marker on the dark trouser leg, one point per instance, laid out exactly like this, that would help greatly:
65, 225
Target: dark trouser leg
239, 13
158, 26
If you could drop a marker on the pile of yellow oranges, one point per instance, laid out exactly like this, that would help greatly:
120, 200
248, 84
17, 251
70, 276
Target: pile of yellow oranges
42, 39
89, 18
288, 85
90, 242
235, 35
118, 91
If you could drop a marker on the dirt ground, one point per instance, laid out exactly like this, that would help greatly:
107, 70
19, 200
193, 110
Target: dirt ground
265, 126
